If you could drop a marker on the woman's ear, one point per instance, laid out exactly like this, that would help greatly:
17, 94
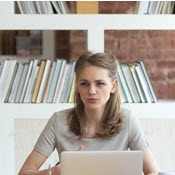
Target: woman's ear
114, 86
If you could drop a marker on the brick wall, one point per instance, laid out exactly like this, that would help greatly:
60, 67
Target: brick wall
155, 48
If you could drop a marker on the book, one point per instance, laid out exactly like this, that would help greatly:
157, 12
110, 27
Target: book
43, 81
65, 83
21, 84
46, 83
1, 67
26, 82
4, 74
87, 7
69, 83
131, 84
59, 93
138, 84
124, 83
148, 79
54, 81
14, 70
49, 7
63, 6
72, 92
8, 81
16, 83
144, 84
56, 7
38, 81
121, 90
21, 7
49, 82
143, 7
31, 83
59, 79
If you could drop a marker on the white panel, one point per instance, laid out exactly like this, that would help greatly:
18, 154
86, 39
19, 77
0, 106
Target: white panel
95, 40
86, 22
161, 135
6, 8
27, 132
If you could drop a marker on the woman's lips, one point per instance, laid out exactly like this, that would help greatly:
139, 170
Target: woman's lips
92, 100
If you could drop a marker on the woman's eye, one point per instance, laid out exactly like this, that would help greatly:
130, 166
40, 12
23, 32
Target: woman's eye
100, 84
84, 84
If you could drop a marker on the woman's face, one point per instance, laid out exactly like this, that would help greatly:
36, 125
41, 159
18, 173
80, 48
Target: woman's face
95, 86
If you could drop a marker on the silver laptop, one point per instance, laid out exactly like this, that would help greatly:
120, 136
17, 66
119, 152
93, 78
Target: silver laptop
101, 163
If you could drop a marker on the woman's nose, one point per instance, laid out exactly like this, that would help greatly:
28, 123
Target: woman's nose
92, 89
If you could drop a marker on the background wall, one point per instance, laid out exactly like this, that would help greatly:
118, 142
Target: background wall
155, 48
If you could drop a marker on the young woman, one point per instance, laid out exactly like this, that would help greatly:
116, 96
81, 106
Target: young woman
97, 122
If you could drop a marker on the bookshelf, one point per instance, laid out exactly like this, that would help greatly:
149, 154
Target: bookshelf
95, 26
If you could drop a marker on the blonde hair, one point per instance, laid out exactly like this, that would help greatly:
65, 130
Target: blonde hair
112, 121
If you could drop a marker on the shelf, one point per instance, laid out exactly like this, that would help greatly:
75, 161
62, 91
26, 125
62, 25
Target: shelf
162, 109
79, 22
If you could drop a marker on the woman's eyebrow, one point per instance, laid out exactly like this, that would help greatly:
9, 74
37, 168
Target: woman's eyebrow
95, 80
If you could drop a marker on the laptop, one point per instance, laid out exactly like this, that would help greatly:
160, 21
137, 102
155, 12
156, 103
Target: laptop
101, 163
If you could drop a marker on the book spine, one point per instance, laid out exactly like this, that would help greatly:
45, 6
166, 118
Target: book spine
38, 82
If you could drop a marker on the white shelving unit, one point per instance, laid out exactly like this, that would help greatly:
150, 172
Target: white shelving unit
95, 26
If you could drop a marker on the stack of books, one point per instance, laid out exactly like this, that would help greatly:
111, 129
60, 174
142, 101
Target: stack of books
134, 83
37, 82
42, 7
155, 7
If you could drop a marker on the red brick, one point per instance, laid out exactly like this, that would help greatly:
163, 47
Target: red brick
124, 43
109, 51
106, 11
110, 44
168, 43
172, 41
134, 34
144, 34
169, 54
157, 43
78, 33
121, 54
108, 34
118, 34
165, 64
171, 34
158, 75
150, 64
171, 75
140, 43
171, 90
156, 33
155, 54
160, 89
138, 53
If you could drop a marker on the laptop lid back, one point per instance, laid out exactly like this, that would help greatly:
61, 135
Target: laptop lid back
101, 163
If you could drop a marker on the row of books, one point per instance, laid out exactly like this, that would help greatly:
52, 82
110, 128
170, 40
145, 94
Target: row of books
53, 82
134, 83
37, 82
43, 7
155, 7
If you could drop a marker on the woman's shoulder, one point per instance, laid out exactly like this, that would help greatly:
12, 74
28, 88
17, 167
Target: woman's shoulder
63, 114
125, 112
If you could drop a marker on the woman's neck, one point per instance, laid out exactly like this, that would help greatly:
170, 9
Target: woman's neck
93, 118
